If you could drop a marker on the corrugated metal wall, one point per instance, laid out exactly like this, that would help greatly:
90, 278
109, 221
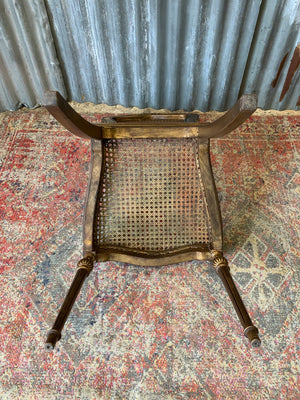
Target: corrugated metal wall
175, 54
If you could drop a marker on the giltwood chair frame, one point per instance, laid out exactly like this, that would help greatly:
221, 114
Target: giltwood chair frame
155, 126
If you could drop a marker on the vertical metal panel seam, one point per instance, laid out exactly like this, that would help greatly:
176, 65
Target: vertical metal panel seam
176, 54
251, 51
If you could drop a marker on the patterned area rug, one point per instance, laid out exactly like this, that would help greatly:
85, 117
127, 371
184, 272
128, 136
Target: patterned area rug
156, 333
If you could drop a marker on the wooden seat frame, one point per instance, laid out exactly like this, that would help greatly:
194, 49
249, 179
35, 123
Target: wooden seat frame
141, 126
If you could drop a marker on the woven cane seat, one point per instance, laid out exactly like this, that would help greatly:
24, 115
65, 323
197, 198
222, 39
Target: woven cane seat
151, 199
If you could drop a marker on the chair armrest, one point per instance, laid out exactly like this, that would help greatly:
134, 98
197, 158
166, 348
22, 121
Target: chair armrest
69, 118
233, 118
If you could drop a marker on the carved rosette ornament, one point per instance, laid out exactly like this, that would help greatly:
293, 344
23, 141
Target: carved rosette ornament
219, 261
87, 263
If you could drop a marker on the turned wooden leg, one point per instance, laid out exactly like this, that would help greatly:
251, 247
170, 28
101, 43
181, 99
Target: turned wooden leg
250, 331
84, 268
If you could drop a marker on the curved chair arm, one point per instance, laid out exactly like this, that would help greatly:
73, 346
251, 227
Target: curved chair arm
72, 121
69, 118
235, 116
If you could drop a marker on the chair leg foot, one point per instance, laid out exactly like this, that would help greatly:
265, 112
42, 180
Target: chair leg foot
84, 268
53, 336
250, 331
252, 334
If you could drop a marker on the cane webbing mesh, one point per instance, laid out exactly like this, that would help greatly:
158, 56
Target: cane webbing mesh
151, 196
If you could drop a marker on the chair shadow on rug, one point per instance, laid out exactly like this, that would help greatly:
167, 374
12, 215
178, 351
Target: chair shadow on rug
151, 199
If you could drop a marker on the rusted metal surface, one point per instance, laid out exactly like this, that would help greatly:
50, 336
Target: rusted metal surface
277, 33
295, 62
175, 54
274, 83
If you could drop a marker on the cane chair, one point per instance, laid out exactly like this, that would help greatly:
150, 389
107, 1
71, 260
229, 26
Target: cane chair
151, 199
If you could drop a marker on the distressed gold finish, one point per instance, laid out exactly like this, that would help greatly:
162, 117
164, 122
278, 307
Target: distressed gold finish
152, 199
87, 263
148, 131
219, 260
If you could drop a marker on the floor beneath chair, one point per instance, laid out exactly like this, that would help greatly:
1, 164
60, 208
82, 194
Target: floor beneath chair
156, 333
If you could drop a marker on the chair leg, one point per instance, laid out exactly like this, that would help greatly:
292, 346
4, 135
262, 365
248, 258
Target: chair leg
250, 331
84, 267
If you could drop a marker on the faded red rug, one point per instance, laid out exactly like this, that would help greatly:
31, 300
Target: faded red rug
156, 333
